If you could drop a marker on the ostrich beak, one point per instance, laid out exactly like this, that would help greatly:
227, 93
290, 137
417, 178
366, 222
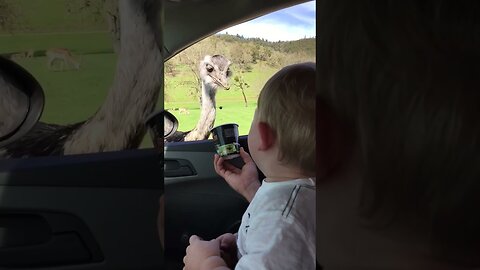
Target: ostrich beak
221, 82
224, 83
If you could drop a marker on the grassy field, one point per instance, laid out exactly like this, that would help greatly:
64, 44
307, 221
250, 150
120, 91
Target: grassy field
80, 43
231, 102
73, 96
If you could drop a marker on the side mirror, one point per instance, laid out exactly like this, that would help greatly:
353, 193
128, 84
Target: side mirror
158, 120
21, 101
170, 124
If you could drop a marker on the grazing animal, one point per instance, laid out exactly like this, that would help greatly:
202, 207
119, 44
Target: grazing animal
30, 53
17, 56
119, 122
62, 56
183, 111
214, 72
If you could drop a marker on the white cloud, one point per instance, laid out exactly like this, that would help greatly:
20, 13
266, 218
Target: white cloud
275, 27
303, 12
301, 17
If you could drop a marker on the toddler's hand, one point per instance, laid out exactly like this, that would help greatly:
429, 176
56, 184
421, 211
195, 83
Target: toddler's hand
203, 255
228, 249
245, 180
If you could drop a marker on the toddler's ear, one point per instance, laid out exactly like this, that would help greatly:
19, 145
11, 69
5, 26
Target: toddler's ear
267, 136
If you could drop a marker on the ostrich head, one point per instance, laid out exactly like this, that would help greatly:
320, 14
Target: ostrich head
215, 72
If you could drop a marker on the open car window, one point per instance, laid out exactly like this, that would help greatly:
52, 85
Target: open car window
245, 56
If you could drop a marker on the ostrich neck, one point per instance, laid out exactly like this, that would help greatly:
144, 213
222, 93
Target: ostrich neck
207, 115
119, 123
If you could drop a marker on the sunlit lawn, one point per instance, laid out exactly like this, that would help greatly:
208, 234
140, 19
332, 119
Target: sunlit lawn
230, 113
73, 96
230, 104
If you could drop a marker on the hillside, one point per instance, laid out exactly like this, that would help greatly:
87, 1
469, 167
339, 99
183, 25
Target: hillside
244, 53
306, 45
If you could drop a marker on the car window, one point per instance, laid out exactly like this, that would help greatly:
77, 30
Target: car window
71, 48
255, 50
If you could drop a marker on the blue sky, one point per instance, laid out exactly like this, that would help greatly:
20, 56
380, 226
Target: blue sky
292, 23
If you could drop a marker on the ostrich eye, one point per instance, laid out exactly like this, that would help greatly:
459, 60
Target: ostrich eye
229, 73
209, 68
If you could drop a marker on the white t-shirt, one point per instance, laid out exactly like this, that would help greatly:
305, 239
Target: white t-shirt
278, 227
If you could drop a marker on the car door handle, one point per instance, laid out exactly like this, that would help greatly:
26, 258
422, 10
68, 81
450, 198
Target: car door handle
178, 168
43, 239
61, 249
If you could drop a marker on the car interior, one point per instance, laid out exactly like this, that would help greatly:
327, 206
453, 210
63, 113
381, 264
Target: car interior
85, 211
99, 211
197, 200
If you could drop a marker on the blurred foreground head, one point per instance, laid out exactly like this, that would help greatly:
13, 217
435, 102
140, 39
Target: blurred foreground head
404, 79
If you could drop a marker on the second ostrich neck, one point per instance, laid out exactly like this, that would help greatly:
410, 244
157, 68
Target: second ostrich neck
207, 115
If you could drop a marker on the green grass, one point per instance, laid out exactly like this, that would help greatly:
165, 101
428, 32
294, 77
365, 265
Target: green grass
231, 113
73, 96
233, 110
79, 43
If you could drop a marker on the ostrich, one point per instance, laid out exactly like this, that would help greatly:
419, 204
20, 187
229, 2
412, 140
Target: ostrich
214, 72
119, 123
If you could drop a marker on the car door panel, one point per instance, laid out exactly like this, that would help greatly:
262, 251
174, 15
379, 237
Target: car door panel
94, 211
46, 239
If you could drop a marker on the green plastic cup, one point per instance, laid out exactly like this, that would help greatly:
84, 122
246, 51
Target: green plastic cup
225, 138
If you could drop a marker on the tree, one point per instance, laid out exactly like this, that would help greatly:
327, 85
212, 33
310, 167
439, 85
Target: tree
241, 58
255, 51
240, 83
265, 53
170, 67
